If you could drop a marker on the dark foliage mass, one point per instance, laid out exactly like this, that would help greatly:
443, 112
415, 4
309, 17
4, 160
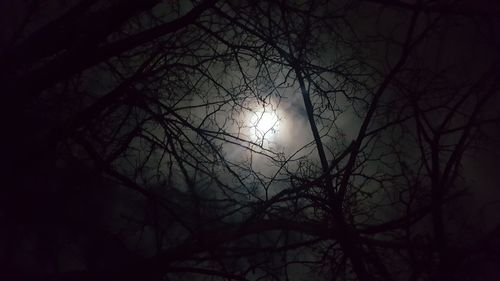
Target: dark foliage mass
129, 151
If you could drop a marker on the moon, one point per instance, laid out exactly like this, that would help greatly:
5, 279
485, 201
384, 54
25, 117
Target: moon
264, 125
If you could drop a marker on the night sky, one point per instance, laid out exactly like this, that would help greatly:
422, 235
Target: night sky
250, 140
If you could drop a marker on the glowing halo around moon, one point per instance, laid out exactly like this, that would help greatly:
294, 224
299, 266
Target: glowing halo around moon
264, 124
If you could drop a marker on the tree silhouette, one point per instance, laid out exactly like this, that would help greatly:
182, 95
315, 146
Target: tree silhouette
134, 147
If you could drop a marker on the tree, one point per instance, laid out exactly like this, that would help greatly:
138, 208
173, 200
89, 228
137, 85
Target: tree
138, 150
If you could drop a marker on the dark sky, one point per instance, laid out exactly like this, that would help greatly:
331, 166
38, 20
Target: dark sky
128, 160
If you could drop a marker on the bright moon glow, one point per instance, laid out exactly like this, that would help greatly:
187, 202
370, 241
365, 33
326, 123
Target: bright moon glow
264, 125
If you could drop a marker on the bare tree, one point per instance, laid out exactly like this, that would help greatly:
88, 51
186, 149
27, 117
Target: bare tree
146, 145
